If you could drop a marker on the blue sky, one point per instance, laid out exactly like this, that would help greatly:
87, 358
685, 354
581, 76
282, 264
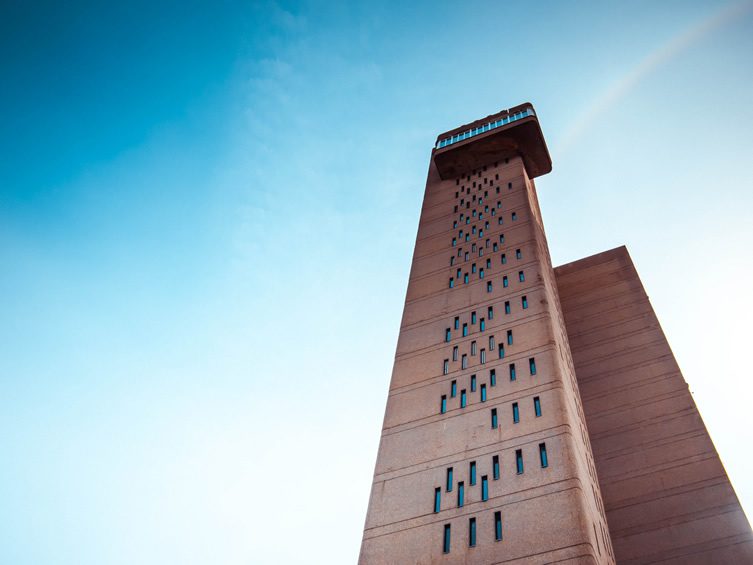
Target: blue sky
207, 214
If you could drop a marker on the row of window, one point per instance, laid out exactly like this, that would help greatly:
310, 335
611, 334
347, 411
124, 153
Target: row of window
482, 389
485, 127
503, 258
474, 351
466, 236
447, 535
466, 279
467, 189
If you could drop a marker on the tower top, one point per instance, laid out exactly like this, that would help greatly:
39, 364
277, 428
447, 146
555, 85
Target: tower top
507, 133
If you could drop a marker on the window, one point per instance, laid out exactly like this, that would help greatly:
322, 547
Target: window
453, 389
495, 248
490, 312
491, 343
532, 365
524, 302
446, 367
461, 494
501, 350
489, 286
466, 256
501, 238
483, 356
443, 407
483, 393
473, 385
465, 278
513, 374
455, 353
482, 325
484, 488
519, 461
463, 362
473, 317
503, 258
454, 241
481, 273
497, 530
505, 282
454, 224
521, 276
515, 413
514, 216
537, 406
471, 532
447, 334
492, 377
472, 473
465, 330
509, 185
509, 337
437, 499
494, 418
500, 221
473, 268
542, 455
507, 307
463, 399
495, 467
452, 261
446, 539
457, 323
518, 254
473, 347
452, 282
448, 486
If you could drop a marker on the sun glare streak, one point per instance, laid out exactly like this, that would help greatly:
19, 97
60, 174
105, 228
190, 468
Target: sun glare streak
618, 90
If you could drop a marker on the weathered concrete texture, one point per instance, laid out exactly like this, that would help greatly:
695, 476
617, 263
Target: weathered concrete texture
667, 497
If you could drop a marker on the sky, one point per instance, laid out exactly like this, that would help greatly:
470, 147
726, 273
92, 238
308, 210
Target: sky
207, 215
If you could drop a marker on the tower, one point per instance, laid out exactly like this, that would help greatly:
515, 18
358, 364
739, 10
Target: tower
484, 455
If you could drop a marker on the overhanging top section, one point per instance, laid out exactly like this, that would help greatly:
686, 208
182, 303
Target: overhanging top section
508, 133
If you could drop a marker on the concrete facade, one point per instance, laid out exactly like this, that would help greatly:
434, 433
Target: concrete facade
666, 494
484, 397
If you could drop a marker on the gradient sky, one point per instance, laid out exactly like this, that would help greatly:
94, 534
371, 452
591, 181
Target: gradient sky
207, 215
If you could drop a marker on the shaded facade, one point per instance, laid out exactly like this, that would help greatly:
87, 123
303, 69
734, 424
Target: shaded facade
485, 455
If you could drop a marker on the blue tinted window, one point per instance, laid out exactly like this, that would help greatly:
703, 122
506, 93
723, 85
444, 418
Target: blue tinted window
505, 282
452, 282
446, 539
509, 337
515, 413
519, 461
473, 473
497, 527
443, 406
501, 349
482, 325
453, 389
524, 302
473, 383
537, 406
494, 418
488, 286
463, 399
542, 455
437, 499
473, 317
457, 323
461, 494
495, 467
483, 393
465, 278
465, 330
447, 334
521, 276
504, 260
532, 365
472, 532
449, 479
507, 307
493, 378
490, 313
484, 488
512, 372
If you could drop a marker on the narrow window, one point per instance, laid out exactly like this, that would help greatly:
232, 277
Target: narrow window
503, 258
501, 350
497, 530
515, 413
443, 407
465, 330
448, 334
455, 210
465, 278
537, 406
463, 362
509, 337
514, 216
446, 542
513, 374
519, 461
490, 312
489, 286
524, 302
452, 282
472, 532
494, 418
473, 268
473, 317
482, 325
484, 488
437, 499
453, 389
542, 455
449, 480
473, 347
455, 353
505, 282
446, 367
495, 248
483, 393
492, 377
518, 254
509, 185
473, 385
473, 473
500, 220
454, 224
501, 238
454, 242
495, 467
521, 276
532, 365
483, 356
466, 256
463, 399
507, 307
461, 494
452, 261
491, 343
457, 323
